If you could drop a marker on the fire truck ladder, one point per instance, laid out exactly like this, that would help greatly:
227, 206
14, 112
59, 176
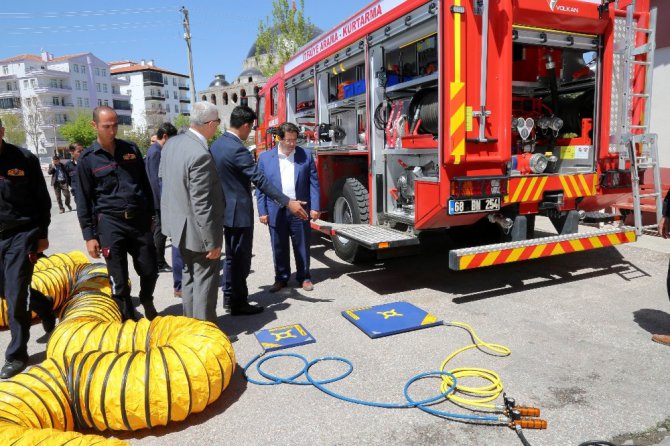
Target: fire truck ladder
630, 136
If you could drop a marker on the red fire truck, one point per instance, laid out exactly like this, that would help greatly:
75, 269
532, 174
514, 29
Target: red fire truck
426, 115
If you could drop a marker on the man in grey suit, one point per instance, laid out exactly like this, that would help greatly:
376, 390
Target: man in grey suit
192, 207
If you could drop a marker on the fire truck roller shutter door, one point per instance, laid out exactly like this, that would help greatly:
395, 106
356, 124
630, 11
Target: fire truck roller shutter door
350, 206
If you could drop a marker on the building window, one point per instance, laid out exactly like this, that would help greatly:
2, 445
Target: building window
249, 79
204, 98
103, 72
174, 81
174, 93
5, 69
33, 83
25, 83
99, 102
213, 99
128, 92
165, 80
75, 67
106, 102
83, 69
97, 87
54, 83
9, 86
234, 98
97, 71
225, 98
80, 102
77, 84
55, 100
84, 85
167, 107
104, 88
86, 103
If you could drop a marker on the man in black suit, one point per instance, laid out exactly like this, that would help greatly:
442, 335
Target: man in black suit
237, 170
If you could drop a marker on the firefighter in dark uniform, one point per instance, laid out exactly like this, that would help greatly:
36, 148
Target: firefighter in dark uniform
25, 214
114, 206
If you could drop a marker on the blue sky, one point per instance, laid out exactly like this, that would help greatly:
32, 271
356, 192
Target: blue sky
142, 29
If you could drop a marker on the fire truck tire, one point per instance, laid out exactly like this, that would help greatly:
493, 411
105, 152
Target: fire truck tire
350, 206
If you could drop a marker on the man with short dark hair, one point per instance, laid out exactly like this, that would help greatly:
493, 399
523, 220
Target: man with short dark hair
60, 181
25, 214
71, 167
292, 170
116, 197
151, 163
237, 170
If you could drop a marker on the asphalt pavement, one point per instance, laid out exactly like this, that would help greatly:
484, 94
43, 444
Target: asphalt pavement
578, 326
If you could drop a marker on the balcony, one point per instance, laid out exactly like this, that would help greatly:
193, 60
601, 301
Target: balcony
185, 99
153, 97
45, 72
183, 87
10, 94
44, 89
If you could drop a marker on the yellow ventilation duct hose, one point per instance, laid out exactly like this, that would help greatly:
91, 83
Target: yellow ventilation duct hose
102, 373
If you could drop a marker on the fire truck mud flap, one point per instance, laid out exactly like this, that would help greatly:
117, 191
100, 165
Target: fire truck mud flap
488, 255
369, 236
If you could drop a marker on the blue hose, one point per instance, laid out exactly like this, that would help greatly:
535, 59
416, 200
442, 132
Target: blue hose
319, 384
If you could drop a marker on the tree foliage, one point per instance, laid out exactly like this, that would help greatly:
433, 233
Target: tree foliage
141, 137
79, 130
15, 132
181, 122
280, 38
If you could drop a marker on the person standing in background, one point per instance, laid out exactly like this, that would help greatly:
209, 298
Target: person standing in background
60, 181
151, 163
71, 167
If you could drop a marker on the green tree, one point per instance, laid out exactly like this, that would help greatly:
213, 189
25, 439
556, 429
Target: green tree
281, 38
215, 137
15, 132
181, 121
141, 137
79, 130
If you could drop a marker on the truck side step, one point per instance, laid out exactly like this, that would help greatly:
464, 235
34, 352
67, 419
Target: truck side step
469, 258
369, 236
600, 217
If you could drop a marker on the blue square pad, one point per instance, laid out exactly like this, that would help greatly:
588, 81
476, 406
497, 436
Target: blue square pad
390, 319
283, 337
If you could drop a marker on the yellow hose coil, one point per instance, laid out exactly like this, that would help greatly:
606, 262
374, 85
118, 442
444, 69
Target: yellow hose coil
102, 373
476, 396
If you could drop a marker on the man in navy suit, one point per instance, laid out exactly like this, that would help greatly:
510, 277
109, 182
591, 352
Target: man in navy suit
291, 169
237, 170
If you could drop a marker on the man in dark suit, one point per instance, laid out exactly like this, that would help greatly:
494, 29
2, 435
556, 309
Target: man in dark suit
291, 169
237, 171
151, 163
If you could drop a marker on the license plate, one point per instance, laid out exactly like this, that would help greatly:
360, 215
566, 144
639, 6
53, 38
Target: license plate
474, 205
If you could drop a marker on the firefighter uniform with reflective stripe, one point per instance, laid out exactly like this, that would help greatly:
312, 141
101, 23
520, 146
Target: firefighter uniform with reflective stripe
114, 206
25, 214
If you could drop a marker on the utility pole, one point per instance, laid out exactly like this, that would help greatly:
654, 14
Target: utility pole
187, 38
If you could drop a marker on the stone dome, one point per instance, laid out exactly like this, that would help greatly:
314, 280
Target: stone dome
219, 81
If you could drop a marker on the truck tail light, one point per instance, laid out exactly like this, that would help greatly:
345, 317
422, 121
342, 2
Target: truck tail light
469, 187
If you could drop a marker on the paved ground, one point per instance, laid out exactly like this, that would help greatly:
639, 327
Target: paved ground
579, 328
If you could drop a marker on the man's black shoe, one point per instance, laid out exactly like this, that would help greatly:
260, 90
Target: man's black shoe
128, 311
12, 367
149, 310
278, 285
245, 309
49, 322
164, 269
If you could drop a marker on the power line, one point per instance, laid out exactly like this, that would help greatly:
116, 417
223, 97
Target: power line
86, 13
85, 28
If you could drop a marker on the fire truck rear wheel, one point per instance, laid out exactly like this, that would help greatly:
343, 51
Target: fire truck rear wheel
350, 206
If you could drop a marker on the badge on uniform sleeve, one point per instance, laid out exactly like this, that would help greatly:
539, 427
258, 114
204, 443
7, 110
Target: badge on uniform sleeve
129, 156
16, 173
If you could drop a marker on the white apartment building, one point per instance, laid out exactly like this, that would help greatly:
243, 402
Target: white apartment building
49, 91
157, 95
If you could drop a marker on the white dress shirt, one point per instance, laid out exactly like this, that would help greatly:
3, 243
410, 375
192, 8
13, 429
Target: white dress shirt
287, 172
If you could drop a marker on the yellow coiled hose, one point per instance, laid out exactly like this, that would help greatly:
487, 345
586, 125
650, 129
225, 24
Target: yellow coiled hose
480, 396
102, 373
